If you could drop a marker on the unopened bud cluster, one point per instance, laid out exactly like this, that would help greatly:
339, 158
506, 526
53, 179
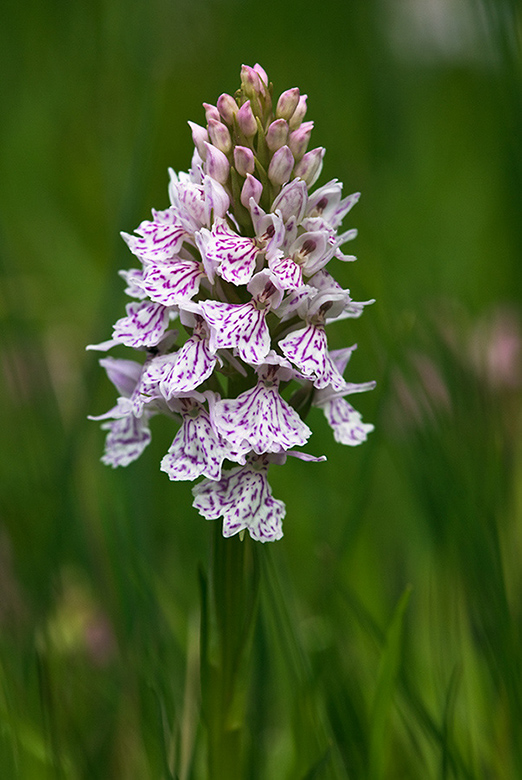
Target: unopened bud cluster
230, 307
246, 136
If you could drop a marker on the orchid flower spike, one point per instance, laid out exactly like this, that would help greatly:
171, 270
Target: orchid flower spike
238, 262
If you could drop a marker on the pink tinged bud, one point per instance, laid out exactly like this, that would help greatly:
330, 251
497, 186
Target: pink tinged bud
261, 72
244, 160
200, 138
287, 103
246, 120
299, 113
300, 138
211, 112
219, 135
227, 108
277, 134
216, 164
281, 166
250, 81
252, 190
310, 166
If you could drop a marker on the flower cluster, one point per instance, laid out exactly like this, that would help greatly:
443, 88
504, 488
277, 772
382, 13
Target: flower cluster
237, 264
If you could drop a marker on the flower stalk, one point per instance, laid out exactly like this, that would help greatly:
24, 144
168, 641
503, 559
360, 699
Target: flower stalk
230, 601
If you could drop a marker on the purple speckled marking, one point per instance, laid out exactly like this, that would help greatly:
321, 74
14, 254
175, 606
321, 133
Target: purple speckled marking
307, 348
196, 450
288, 273
244, 499
158, 240
126, 440
173, 283
261, 420
238, 326
233, 255
346, 422
183, 371
143, 326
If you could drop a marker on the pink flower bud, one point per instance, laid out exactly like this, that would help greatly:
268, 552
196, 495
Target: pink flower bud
300, 138
287, 103
216, 164
246, 120
244, 160
219, 135
252, 188
281, 166
277, 134
211, 112
200, 138
299, 113
261, 72
227, 108
310, 166
250, 82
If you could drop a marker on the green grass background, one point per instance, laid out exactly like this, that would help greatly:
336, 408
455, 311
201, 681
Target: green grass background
388, 641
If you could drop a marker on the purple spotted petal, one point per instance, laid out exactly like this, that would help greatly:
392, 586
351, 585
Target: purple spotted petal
238, 326
144, 325
260, 419
134, 279
288, 273
173, 283
159, 240
244, 499
345, 421
196, 450
307, 348
126, 440
234, 256
183, 371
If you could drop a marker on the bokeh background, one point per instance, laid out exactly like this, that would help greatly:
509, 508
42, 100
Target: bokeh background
389, 638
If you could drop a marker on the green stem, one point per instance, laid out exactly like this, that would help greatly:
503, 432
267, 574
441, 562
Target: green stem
227, 630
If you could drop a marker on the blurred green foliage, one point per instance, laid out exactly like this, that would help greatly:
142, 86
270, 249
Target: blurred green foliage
388, 639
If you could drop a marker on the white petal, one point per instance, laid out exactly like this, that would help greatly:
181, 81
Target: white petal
244, 499
287, 271
173, 283
127, 438
262, 420
157, 240
346, 422
238, 326
233, 255
195, 451
307, 349
143, 326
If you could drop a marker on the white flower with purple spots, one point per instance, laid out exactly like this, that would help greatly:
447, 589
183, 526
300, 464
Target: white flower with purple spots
235, 256
197, 449
181, 372
144, 325
243, 498
126, 440
173, 283
159, 240
259, 419
243, 259
243, 326
307, 348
